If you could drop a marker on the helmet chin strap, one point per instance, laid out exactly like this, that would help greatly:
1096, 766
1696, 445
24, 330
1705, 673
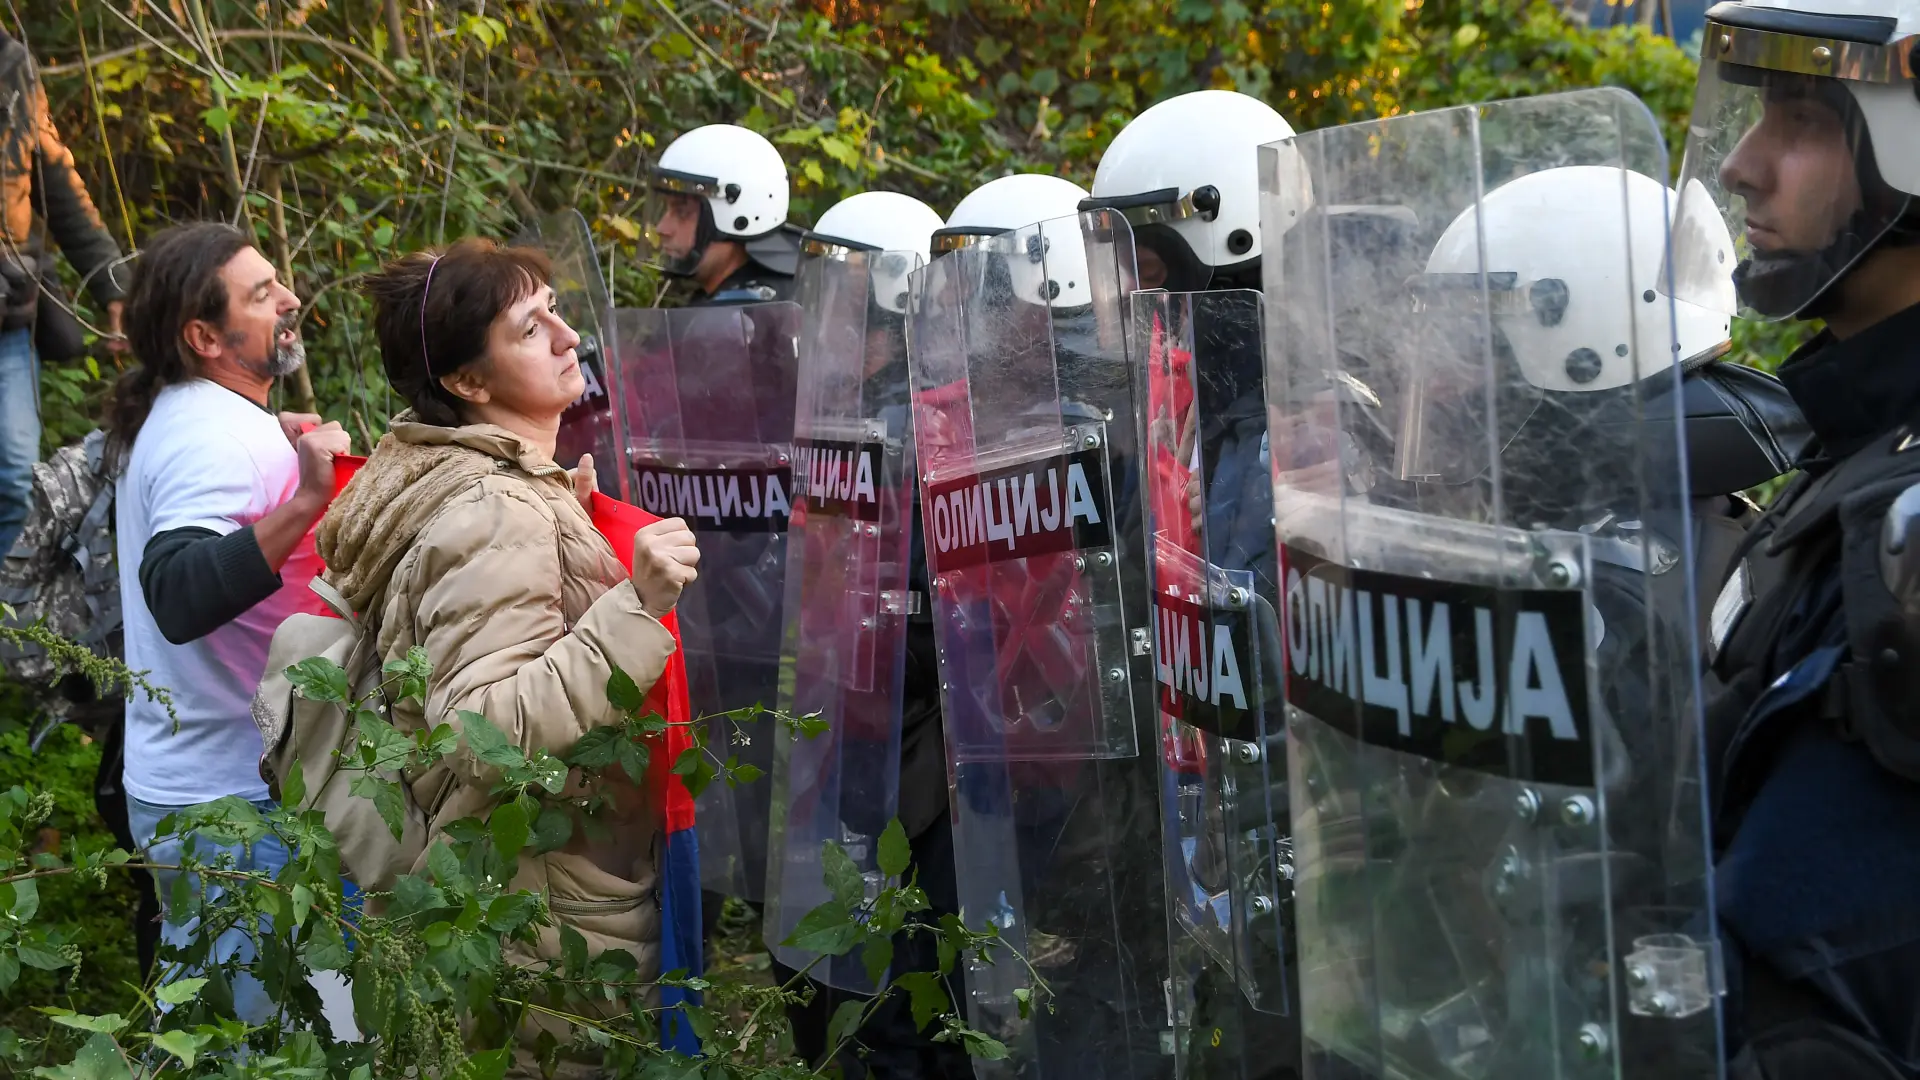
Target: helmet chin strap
1803, 284
703, 238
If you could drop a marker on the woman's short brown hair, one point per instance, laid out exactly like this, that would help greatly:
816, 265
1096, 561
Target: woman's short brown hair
472, 283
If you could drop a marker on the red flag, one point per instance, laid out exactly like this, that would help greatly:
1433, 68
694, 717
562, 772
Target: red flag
618, 522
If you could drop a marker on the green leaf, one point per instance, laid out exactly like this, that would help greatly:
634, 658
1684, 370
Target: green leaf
894, 852
320, 679
548, 771
700, 775
293, 788
573, 952
36, 956
1023, 997
444, 865
841, 875
510, 828
487, 1065
9, 969
827, 929
179, 991
26, 899
1466, 35
877, 956
623, 693
984, 1047
302, 903
382, 235
412, 895
390, 748
1044, 81
744, 774
634, 759
388, 799
949, 952
840, 150
512, 911
488, 743
107, 1023
598, 748
99, 1059
181, 1044
443, 741
552, 829
326, 950
846, 1019
929, 996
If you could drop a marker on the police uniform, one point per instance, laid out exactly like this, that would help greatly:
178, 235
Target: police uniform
1812, 734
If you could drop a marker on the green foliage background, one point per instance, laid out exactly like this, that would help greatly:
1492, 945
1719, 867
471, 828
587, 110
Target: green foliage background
348, 131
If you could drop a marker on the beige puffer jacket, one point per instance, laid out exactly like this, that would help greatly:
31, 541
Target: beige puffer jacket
470, 542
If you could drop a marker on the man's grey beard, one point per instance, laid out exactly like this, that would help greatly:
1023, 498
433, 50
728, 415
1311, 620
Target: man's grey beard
285, 360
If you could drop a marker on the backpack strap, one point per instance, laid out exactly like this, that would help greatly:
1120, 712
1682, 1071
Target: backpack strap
334, 601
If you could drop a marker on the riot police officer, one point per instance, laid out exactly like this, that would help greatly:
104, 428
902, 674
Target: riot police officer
1025, 428
1186, 174
1806, 130
858, 639
717, 216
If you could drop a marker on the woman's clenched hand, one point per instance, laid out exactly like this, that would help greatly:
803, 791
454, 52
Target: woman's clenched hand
665, 559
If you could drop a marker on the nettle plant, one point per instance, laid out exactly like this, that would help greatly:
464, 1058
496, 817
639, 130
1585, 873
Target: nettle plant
434, 993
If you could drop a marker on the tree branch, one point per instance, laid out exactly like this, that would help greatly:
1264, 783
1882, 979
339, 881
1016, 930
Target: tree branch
239, 34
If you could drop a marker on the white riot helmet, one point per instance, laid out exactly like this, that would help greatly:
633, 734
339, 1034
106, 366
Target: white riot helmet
721, 181
897, 228
1186, 174
1046, 259
1834, 81
1007, 203
1559, 273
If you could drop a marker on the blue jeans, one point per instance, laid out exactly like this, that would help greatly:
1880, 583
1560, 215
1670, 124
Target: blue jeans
268, 856
19, 431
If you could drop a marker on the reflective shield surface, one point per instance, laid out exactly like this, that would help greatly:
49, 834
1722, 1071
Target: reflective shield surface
847, 604
1219, 705
590, 425
1029, 464
1499, 833
708, 397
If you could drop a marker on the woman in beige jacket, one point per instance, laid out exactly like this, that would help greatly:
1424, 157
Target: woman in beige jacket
461, 534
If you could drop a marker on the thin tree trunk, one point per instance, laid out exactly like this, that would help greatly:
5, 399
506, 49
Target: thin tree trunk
283, 258
396, 29
229, 156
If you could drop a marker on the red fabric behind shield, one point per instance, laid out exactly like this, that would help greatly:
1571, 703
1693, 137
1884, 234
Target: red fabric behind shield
618, 521
1170, 408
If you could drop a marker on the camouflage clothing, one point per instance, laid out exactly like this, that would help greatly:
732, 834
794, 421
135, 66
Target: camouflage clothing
63, 568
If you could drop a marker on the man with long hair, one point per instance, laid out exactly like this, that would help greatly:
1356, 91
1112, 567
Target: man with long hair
214, 517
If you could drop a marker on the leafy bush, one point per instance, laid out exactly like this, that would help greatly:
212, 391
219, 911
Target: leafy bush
430, 962
345, 133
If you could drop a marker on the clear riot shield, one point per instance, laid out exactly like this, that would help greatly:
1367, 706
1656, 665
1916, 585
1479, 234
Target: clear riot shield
847, 604
590, 425
1499, 829
1029, 465
1219, 705
708, 397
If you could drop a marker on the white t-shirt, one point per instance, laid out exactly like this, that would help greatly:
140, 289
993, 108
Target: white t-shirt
207, 458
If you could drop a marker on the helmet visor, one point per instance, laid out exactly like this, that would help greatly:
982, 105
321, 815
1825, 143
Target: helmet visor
1780, 195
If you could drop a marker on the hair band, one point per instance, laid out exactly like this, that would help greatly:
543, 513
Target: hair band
426, 357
